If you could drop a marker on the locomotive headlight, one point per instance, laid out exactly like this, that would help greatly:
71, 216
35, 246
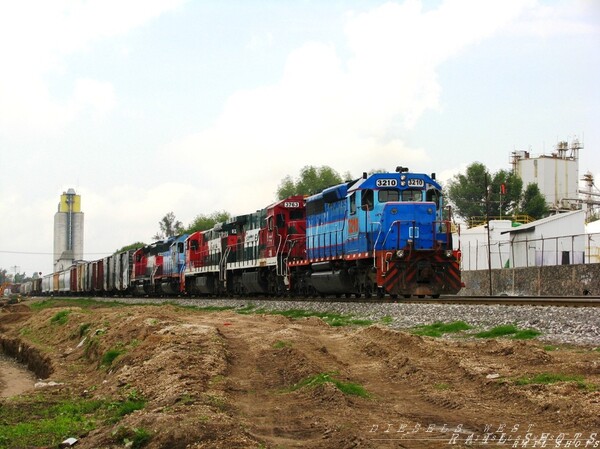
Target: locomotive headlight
448, 254
403, 183
403, 178
400, 253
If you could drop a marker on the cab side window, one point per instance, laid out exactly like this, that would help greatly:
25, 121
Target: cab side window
367, 200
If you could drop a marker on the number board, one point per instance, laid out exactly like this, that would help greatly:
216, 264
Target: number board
386, 182
416, 182
290, 204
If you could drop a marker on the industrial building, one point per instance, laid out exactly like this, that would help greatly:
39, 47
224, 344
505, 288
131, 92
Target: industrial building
68, 231
557, 174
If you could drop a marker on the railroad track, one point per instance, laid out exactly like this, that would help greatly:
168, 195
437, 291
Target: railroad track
566, 301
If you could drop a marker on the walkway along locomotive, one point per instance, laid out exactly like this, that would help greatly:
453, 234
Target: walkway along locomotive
380, 234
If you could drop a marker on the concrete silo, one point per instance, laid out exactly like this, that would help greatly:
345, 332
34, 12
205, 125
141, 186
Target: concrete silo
68, 231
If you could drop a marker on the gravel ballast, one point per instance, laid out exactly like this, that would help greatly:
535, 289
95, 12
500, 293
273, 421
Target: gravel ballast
570, 325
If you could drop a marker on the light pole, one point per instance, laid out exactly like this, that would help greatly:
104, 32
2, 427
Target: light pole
487, 218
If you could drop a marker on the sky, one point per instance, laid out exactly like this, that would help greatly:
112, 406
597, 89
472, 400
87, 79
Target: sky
146, 107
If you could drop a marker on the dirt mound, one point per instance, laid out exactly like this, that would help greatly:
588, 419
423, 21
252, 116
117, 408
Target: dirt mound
225, 380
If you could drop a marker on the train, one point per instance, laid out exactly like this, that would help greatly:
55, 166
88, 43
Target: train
381, 234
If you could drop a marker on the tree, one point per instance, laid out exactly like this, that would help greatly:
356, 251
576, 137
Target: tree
20, 277
311, 180
503, 204
467, 192
203, 222
534, 203
169, 227
133, 246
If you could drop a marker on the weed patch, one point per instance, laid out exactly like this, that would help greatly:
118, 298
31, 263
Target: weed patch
84, 303
280, 344
552, 378
61, 317
438, 329
509, 329
131, 437
110, 355
387, 320
333, 319
215, 308
322, 378
26, 421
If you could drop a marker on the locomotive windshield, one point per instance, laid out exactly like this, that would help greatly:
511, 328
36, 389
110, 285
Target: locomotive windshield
413, 195
386, 195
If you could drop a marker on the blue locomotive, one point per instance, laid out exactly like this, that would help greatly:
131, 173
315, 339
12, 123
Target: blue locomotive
381, 234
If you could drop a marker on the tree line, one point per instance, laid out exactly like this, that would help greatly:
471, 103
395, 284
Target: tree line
479, 193
475, 193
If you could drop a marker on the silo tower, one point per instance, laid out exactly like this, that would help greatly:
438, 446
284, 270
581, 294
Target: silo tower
68, 231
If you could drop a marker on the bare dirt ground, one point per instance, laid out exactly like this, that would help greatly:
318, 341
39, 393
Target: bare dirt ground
226, 380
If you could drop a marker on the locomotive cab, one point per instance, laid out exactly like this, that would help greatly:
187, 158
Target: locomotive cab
382, 233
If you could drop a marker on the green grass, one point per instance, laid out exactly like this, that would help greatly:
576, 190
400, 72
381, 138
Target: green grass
280, 344
27, 421
552, 378
109, 356
333, 319
509, 329
122, 408
215, 308
133, 438
322, 378
438, 328
84, 328
550, 348
84, 303
61, 317
248, 310
387, 320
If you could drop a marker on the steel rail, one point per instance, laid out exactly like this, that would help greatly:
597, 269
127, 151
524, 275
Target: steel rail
542, 301
558, 301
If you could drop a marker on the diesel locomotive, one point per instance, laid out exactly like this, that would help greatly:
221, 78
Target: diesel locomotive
381, 234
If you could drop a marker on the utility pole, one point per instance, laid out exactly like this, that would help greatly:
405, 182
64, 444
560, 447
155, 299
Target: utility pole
487, 218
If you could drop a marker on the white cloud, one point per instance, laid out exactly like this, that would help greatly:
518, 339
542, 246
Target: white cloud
97, 96
343, 113
561, 19
35, 38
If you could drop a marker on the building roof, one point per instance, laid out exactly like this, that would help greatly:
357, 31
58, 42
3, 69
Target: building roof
531, 226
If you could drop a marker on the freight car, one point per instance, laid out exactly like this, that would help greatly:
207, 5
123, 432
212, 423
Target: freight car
383, 234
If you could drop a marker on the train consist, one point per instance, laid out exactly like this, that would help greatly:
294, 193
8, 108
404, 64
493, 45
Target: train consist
383, 234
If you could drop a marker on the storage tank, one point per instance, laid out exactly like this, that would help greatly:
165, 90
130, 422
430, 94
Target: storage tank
557, 174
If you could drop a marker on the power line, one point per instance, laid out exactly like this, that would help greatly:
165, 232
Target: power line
48, 254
